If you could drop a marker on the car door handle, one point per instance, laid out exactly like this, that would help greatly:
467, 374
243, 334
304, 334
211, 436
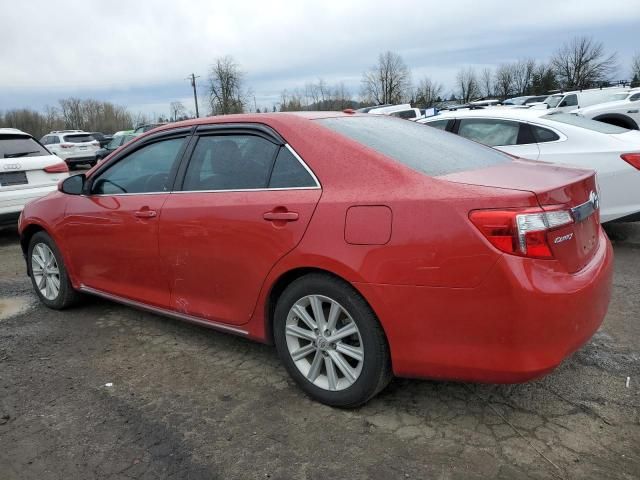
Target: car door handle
281, 216
146, 213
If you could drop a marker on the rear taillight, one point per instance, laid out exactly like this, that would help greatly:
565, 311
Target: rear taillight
66, 145
520, 232
57, 168
95, 143
632, 159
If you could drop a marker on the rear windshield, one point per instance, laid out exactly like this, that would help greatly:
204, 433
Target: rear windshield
579, 121
422, 148
79, 138
15, 146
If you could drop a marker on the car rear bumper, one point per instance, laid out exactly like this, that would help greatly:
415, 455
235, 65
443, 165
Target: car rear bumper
82, 157
519, 324
13, 201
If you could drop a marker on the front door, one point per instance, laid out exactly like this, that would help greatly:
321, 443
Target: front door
245, 203
112, 232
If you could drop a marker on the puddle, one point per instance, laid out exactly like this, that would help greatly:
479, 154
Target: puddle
10, 307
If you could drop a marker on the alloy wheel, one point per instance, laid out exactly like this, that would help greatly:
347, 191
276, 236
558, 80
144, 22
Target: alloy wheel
324, 342
45, 271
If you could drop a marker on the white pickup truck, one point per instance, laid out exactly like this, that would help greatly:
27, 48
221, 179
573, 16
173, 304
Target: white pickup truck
623, 112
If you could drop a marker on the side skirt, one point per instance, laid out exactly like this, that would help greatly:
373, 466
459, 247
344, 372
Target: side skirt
164, 312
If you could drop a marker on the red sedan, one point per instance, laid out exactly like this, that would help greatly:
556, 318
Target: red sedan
362, 246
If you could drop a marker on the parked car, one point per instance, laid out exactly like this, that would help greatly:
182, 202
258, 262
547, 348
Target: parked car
404, 111
558, 137
570, 101
101, 138
116, 142
27, 171
147, 127
623, 112
423, 255
75, 147
525, 100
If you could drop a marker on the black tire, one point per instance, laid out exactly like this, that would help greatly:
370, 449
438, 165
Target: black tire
66, 296
376, 368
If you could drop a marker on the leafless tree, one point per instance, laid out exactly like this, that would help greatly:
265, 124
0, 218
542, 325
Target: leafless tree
503, 81
635, 70
486, 82
428, 93
177, 110
583, 63
71, 109
523, 76
226, 87
468, 86
387, 82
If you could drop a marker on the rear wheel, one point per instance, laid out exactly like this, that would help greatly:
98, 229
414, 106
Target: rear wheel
331, 342
48, 274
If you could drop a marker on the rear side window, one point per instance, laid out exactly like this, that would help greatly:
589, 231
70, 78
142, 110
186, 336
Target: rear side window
405, 114
288, 172
423, 149
230, 162
543, 135
439, 124
578, 121
78, 138
489, 132
15, 146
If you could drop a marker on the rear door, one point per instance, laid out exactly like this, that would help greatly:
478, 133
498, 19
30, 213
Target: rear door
509, 136
245, 202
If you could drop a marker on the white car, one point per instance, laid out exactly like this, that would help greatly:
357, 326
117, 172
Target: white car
405, 111
624, 112
27, 171
73, 146
557, 137
578, 99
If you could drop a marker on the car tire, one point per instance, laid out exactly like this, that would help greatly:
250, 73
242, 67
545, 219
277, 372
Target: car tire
48, 273
350, 370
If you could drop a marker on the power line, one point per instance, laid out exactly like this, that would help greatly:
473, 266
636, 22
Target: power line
192, 78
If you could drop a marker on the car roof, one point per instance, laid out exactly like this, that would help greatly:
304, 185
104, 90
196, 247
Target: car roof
12, 131
497, 112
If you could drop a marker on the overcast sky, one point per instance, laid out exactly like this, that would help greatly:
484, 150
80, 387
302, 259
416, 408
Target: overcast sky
138, 53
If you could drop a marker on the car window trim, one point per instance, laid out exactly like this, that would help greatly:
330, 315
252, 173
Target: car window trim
258, 130
184, 132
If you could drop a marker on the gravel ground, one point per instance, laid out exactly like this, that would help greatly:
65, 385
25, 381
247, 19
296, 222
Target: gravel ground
105, 391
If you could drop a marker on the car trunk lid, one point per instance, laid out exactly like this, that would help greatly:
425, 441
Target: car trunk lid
555, 188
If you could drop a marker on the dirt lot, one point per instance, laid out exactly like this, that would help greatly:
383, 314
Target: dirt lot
104, 391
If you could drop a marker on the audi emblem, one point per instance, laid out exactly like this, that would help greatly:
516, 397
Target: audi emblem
12, 166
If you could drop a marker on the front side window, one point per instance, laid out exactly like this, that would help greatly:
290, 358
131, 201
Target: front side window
230, 162
489, 132
634, 98
570, 101
54, 140
146, 170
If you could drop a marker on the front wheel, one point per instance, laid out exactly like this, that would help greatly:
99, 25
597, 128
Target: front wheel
48, 274
331, 342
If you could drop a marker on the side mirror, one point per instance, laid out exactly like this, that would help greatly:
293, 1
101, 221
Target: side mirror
73, 185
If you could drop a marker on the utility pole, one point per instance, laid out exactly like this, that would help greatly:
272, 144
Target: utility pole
192, 78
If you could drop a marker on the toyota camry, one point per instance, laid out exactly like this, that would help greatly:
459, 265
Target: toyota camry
361, 246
